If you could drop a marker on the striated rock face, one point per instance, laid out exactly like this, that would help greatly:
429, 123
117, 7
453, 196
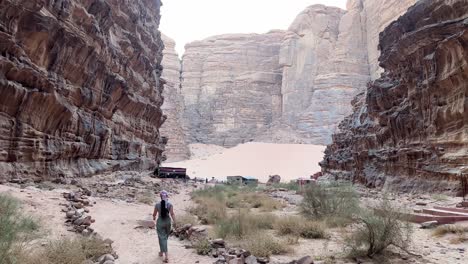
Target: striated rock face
291, 86
410, 129
378, 14
231, 86
324, 60
80, 86
173, 107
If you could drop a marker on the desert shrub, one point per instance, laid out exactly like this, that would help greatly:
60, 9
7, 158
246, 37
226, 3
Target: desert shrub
439, 197
209, 210
202, 246
299, 226
70, 251
262, 221
333, 200
186, 219
460, 238
263, 245
379, 228
292, 186
449, 229
16, 229
238, 197
242, 223
146, 197
313, 230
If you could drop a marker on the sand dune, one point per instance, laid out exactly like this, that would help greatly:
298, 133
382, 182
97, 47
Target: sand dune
260, 160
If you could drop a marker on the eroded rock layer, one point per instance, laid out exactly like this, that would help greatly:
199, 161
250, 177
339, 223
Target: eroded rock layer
292, 86
410, 129
80, 86
232, 87
173, 107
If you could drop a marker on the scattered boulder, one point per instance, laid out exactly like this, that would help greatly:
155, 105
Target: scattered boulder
273, 179
429, 224
305, 260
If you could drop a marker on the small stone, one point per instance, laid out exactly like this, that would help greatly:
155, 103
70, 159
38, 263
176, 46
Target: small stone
251, 260
429, 224
70, 214
78, 205
79, 221
102, 259
305, 260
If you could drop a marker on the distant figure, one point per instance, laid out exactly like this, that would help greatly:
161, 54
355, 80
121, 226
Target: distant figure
163, 224
206, 180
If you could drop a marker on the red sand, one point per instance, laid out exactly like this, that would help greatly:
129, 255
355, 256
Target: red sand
259, 160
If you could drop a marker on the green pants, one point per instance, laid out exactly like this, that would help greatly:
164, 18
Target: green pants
163, 228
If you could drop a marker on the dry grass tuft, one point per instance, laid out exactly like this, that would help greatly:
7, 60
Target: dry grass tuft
449, 229
299, 226
187, 219
265, 245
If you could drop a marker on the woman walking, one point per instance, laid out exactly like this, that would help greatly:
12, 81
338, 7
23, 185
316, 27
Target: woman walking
163, 224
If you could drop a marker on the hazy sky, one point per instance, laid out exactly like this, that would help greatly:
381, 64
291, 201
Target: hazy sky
189, 20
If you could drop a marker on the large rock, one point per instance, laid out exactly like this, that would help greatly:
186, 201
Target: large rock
173, 106
80, 86
410, 129
231, 86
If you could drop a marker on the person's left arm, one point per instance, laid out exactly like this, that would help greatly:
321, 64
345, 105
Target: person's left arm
155, 213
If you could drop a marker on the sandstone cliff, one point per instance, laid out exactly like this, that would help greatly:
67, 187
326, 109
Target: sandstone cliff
324, 60
378, 14
410, 128
291, 86
80, 86
173, 107
232, 87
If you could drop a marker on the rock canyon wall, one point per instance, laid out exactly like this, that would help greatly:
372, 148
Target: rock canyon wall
232, 87
410, 128
291, 86
80, 86
173, 107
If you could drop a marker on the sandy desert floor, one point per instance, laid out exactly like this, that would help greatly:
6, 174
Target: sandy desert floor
290, 161
117, 219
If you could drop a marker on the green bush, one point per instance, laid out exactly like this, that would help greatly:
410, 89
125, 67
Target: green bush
16, 229
333, 200
379, 228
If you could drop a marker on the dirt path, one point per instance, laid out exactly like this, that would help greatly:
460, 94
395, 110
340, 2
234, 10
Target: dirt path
117, 220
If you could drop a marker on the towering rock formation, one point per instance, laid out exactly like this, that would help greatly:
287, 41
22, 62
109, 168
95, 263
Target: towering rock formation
80, 86
231, 86
411, 127
378, 14
324, 60
173, 107
292, 86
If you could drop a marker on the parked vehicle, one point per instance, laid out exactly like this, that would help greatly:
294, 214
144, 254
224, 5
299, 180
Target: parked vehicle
170, 172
